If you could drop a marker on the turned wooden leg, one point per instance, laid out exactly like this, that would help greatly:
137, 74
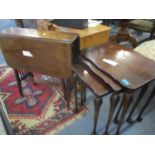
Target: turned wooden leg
97, 106
116, 120
18, 82
32, 77
75, 92
67, 91
139, 118
124, 37
82, 92
113, 104
141, 94
19, 23
125, 104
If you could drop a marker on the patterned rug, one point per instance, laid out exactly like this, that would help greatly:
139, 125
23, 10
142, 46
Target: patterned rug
42, 110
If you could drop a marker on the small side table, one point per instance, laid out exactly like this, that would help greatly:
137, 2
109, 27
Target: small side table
147, 49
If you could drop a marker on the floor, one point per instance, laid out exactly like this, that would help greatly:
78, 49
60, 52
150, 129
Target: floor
83, 126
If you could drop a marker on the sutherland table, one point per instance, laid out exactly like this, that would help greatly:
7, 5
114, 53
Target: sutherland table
90, 36
46, 52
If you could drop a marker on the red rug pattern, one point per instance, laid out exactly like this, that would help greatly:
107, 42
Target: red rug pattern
42, 110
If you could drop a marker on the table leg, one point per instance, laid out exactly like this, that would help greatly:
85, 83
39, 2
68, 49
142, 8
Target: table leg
32, 77
18, 82
123, 34
82, 92
97, 106
67, 91
116, 120
75, 92
127, 99
114, 99
141, 94
139, 118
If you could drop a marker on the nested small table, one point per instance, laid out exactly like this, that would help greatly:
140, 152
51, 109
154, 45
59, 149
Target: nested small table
100, 84
147, 49
131, 70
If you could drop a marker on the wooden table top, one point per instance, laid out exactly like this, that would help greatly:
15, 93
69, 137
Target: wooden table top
46, 52
93, 82
106, 78
85, 32
129, 68
41, 34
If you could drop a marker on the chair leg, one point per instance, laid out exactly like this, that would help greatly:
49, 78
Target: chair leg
97, 106
141, 94
113, 104
139, 118
18, 82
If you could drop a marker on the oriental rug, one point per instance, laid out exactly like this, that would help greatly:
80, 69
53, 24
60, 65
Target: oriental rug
42, 110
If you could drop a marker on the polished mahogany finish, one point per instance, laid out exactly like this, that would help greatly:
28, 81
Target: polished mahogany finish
124, 66
129, 68
107, 79
48, 52
98, 87
45, 52
41, 34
